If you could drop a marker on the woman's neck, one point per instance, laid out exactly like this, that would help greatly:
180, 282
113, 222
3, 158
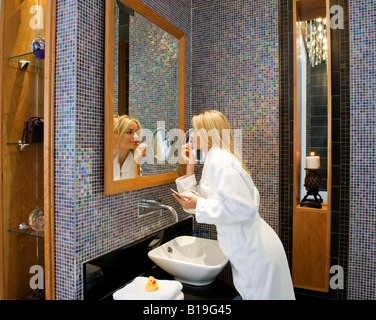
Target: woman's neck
123, 154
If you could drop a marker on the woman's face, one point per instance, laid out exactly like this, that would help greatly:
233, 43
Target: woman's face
130, 139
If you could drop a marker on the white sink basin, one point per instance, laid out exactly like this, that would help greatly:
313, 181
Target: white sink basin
191, 260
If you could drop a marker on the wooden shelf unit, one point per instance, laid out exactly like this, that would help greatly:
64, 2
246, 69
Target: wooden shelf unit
26, 177
311, 248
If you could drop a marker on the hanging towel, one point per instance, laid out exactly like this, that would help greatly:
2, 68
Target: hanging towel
168, 290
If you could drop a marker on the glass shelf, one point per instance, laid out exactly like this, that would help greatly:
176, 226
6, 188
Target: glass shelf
22, 147
30, 57
21, 143
28, 232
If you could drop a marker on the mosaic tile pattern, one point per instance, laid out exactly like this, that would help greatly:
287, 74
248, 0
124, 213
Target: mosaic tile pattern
154, 50
65, 149
362, 271
286, 128
88, 223
162, 54
235, 71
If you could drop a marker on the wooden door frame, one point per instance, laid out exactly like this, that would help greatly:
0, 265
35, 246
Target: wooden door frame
48, 151
2, 280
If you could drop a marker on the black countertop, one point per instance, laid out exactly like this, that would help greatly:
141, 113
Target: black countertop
108, 273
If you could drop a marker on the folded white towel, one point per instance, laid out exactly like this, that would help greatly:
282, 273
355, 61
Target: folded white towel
168, 290
179, 296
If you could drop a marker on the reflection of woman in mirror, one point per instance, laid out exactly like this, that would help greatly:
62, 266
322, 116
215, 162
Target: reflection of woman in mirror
228, 198
128, 151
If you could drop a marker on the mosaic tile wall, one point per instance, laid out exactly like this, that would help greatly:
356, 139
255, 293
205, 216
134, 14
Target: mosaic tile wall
88, 223
235, 71
162, 97
65, 93
163, 53
362, 275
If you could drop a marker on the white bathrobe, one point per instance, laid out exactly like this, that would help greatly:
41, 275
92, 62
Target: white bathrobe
126, 170
229, 199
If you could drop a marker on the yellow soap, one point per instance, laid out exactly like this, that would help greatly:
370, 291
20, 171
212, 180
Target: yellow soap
151, 285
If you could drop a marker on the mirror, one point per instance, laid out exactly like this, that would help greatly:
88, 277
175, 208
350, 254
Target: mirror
313, 92
144, 97
162, 145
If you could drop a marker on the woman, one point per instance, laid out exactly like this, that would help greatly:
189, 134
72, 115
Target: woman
128, 152
228, 198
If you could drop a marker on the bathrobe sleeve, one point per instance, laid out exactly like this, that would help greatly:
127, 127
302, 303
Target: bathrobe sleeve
235, 198
184, 183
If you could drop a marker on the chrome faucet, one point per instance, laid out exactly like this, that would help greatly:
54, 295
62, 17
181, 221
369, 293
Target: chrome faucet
154, 204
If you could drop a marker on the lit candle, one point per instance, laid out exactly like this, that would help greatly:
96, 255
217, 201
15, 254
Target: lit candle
313, 162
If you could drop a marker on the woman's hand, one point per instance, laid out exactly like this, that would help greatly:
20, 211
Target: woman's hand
140, 152
187, 156
190, 201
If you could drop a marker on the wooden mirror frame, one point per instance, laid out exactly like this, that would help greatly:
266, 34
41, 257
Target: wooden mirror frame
111, 186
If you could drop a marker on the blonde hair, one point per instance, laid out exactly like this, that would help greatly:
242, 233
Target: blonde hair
122, 122
214, 129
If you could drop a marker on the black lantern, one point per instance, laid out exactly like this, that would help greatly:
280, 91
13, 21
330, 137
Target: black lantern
312, 182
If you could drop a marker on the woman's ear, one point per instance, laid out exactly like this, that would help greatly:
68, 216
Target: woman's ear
210, 141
